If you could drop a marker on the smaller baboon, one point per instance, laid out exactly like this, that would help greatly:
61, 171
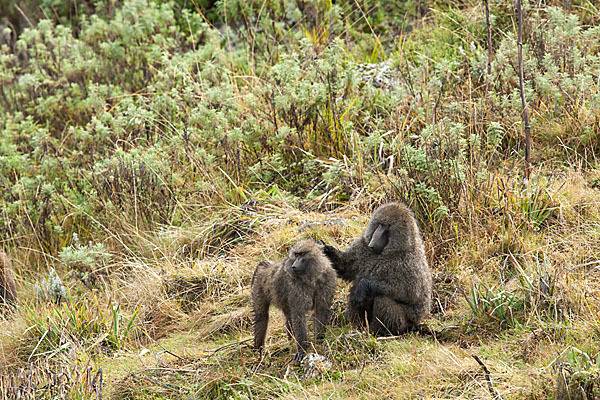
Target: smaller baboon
8, 292
391, 280
303, 281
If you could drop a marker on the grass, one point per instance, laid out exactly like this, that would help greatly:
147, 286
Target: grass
529, 312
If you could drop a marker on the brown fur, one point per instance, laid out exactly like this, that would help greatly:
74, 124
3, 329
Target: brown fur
391, 290
296, 295
8, 292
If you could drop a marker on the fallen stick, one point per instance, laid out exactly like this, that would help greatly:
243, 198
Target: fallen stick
488, 378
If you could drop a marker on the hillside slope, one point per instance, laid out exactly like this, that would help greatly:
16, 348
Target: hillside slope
151, 154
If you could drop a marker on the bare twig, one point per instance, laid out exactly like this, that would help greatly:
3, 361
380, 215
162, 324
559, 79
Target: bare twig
489, 37
215, 351
587, 264
173, 354
385, 338
162, 347
522, 88
174, 370
488, 378
31, 24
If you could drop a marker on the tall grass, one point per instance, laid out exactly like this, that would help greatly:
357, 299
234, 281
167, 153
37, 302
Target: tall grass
152, 153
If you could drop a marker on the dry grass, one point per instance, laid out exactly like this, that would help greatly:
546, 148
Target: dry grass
516, 266
193, 327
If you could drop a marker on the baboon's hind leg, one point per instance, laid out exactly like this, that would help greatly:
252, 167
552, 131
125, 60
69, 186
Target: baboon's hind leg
322, 313
261, 321
360, 310
389, 317
357, 317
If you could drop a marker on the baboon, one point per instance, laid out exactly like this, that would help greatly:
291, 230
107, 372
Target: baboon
8, 292
303, 281
391, 280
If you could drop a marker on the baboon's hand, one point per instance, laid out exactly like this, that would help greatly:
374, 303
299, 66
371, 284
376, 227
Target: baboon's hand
329, 250
299, 356
364, 290
333, 254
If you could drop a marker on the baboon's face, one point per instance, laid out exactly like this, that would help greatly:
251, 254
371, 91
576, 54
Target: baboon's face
299, 262
390, 229
379, 239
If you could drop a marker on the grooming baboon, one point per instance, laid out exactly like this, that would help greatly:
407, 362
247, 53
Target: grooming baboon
8, 292
303, 281
391, 290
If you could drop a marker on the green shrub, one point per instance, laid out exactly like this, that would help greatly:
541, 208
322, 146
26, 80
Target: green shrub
130, 117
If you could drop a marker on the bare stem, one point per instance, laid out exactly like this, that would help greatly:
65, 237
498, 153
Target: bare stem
488, 378
489, 37
522, 87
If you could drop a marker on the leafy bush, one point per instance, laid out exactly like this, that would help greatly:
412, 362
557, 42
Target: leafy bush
86, 262
52, 289
131, 117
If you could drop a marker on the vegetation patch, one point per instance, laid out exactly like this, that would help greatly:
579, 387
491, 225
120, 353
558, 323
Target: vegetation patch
153, 153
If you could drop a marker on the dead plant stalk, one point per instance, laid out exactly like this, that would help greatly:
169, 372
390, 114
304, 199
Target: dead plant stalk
522, 89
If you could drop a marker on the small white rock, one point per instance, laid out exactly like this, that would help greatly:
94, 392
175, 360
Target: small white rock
315, 365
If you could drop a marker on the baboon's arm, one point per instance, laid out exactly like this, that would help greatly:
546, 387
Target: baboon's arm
300, 334
344, 262
334, 256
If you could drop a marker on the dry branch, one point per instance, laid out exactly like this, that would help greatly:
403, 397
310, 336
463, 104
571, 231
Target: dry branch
489, 37
522, 88
488, 378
